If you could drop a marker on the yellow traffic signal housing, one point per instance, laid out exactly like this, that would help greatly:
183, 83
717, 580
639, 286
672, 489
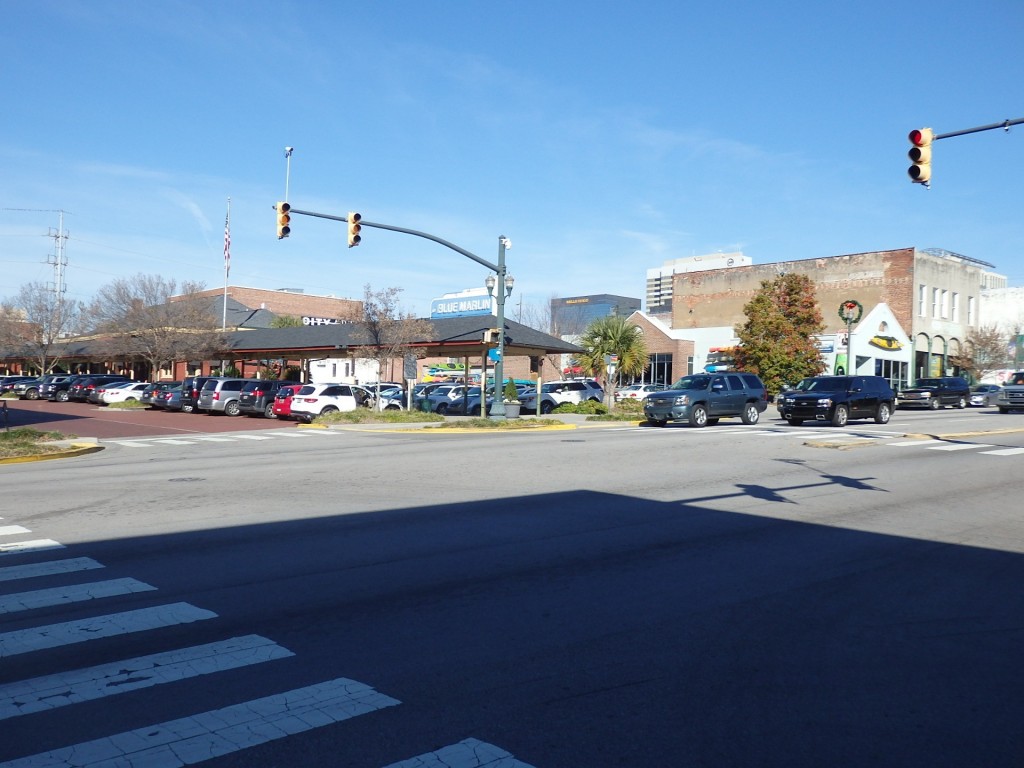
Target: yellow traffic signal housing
920, 155
491, 337
354, 238
283, 220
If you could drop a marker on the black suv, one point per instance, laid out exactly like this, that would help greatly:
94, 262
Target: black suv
257, 397
704, 398
936, 393
837, 399
84, 387
191, 386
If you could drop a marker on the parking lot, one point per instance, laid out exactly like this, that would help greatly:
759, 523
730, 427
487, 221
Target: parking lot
88, 420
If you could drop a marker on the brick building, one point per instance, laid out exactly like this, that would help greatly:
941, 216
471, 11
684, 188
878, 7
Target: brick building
931, 295
291, 303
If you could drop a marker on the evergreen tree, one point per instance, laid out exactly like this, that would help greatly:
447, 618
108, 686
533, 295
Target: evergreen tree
777, 341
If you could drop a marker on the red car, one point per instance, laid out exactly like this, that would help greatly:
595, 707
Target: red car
283, 401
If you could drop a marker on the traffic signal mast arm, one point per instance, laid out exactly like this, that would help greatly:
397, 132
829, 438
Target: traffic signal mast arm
921, 139
1005, 125
375, 225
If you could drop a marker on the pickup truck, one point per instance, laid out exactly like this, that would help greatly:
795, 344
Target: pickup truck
1011, 396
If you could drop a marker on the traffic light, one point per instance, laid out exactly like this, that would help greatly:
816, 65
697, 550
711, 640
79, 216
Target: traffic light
353, 229
283, 220
920, 155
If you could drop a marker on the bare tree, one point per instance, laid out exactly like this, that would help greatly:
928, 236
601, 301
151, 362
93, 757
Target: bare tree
387, 330
34, 323
986, 350
146, 317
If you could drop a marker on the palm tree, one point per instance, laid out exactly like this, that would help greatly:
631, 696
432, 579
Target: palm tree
612, 335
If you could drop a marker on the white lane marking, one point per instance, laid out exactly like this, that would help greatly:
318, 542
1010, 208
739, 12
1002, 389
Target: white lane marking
51, 691
957, 446
36, 545
253, 437
220, 732
129, 443
52, 568
11, 530
469, 753
75, 593
1005, 452
69, 632
295, 434
907, 443
215, 439
173, 441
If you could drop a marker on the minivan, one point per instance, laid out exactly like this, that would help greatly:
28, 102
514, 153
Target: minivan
221, 395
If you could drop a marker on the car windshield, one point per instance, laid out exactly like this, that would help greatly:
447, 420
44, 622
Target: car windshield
692, 382
927, 382
827, 384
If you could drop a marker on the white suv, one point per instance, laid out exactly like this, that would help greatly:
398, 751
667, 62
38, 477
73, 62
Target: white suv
314, 400
555, 393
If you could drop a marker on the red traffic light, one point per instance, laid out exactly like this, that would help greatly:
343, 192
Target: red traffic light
920, 155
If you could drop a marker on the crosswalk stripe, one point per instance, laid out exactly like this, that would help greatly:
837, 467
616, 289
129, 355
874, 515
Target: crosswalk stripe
36, 545
70, 632
129, 443
253, 437
52, 568
215, 439
75, 593
957, 446
469, 753
1005, 452
11, 530
220, 732
908, 443
174, 441
51, 691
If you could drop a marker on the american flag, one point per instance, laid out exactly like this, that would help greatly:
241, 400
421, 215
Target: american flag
227, 243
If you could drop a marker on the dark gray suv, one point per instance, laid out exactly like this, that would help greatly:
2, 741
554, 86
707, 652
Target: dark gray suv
704, 398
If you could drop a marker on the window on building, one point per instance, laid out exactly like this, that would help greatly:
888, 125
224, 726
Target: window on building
955, 316
922, 299
935, 302
971, 309
944, 308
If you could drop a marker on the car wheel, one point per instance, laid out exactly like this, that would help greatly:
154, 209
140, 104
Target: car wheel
795, 422
546, 407
62, 397
32, 394
657, 422
934, 404
962, 402
268, 412
840, 416
883, 413
187, 408
750, 414
442, 408
232, 408
698, 416
328, 409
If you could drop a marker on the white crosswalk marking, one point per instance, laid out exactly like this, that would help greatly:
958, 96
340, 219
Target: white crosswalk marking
76, 593
52, 691
215, 439
1005, 452
254, 437
470, 753
67, 633
36, 545
54, 567
11, 530
220, 732
957, 446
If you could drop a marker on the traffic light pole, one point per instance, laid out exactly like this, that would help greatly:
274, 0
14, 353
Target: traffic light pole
498, 409
1005, 125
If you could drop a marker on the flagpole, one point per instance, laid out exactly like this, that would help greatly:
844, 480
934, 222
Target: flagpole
227, 265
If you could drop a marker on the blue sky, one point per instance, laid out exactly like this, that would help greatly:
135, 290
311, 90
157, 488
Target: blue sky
601, 138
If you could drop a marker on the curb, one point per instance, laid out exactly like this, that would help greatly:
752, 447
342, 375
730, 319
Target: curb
71, 448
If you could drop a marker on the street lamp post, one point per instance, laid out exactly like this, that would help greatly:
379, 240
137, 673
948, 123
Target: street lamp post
500, 287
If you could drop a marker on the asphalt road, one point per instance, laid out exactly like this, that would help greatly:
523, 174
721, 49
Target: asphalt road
604, 596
